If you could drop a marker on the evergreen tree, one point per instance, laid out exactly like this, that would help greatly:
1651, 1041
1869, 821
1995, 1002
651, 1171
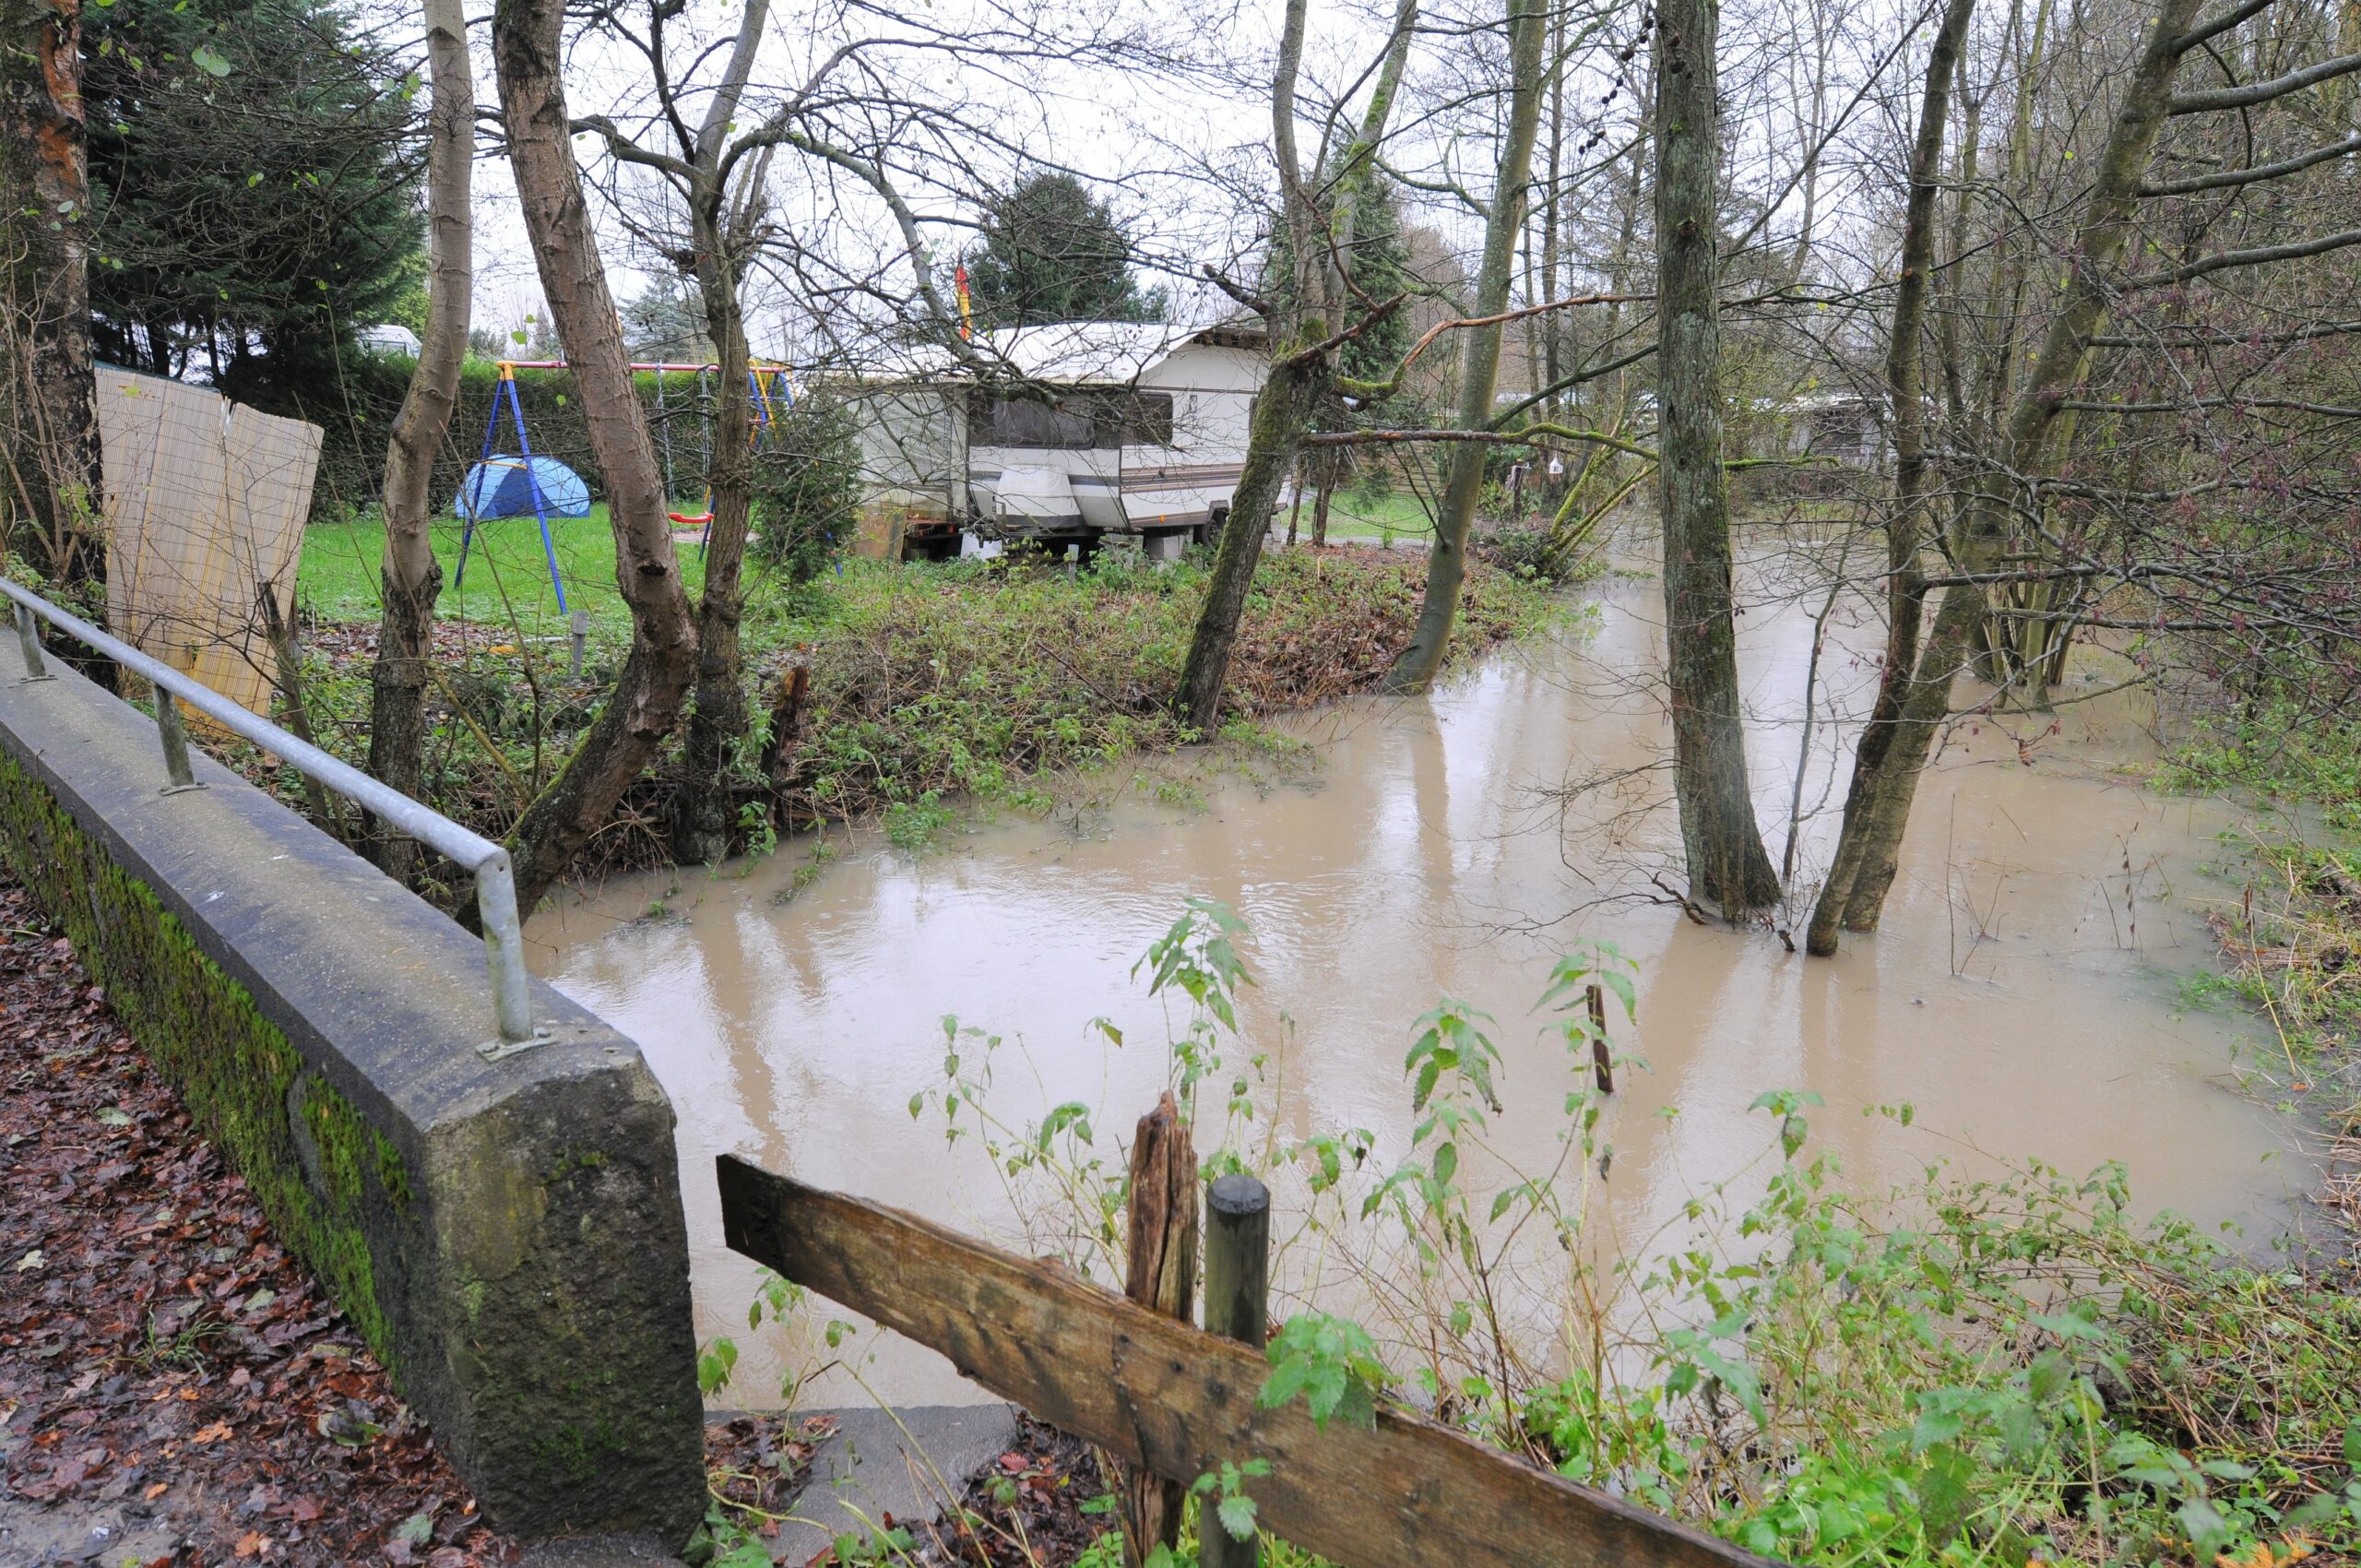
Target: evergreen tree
1053, 252
666, 322
255, 190
1378, 267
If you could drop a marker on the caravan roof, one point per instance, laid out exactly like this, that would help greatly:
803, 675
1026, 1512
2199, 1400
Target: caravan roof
1078, 352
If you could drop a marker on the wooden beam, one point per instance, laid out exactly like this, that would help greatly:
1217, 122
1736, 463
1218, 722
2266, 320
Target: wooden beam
1154, 1392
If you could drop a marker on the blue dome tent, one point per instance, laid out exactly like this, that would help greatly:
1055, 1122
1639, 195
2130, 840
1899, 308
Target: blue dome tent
502, 487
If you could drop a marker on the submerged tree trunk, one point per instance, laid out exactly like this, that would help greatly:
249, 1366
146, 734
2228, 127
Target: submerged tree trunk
1479, 359
718, 717
1906, 383
1886, 769
646, 704
1727, 864
410, 577
45, 180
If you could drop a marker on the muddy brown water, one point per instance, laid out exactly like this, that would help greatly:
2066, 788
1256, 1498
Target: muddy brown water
2025, 996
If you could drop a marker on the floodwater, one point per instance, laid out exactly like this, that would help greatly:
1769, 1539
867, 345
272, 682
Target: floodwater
2024, 995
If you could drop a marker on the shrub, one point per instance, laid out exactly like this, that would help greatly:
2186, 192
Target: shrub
807, 483
1528, 553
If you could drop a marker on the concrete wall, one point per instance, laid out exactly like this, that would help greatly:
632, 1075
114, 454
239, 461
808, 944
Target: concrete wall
507, 1236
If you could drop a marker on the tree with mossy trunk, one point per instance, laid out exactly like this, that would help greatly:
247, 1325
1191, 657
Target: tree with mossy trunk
1893, 749
716, 174
55, 483
645, 705
411, 578
1479, 358
1727, 864
1306, 335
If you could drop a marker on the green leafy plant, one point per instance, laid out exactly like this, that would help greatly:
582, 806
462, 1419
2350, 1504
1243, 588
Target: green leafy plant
1332, 1362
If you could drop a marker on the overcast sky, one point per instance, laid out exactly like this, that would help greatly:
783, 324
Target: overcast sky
1184, 153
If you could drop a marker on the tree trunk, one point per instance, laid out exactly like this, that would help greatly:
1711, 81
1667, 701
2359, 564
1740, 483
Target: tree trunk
1906, 381
646, 704
1727, 864
44, 180
717, 721
1274, 429
411, 578
1297, 379
1479, 359
1886, 769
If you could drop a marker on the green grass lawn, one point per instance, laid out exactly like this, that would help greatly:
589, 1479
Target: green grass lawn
1399, 516
508, 576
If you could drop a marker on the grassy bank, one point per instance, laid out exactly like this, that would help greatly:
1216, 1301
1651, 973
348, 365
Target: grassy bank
2277, 751
927, 690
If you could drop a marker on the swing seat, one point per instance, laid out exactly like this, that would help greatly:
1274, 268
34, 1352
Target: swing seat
688, 521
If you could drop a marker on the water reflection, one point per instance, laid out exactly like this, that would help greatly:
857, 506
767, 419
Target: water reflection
2021, 995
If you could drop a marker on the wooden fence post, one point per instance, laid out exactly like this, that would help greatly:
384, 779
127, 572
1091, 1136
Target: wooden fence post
1162, 1276
1237, 1306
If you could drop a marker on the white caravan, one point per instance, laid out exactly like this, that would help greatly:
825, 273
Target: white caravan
1113, 428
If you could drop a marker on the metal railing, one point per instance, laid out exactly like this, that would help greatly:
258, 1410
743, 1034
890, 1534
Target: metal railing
495, 879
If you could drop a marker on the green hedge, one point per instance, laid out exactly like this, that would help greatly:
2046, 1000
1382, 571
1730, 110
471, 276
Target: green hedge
358, 412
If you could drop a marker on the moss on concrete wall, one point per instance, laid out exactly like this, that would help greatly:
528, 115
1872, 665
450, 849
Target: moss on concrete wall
309, 1155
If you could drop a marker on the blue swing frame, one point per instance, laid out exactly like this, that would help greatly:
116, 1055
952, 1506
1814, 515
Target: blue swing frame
508, 390
781, 389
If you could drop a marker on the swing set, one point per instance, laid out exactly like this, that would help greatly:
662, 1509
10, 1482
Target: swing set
490, 490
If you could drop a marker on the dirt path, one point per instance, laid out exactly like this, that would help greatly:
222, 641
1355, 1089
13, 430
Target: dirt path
173, 1390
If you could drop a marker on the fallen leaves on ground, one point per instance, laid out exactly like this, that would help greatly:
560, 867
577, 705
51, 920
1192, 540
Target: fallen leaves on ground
160, 1351
1025, 1509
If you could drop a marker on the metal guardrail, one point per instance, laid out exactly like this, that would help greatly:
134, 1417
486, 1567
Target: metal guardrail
495, 879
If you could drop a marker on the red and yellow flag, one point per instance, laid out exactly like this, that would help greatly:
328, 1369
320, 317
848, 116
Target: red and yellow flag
966, 310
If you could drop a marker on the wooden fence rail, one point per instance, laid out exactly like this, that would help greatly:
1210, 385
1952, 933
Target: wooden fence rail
1160, 1393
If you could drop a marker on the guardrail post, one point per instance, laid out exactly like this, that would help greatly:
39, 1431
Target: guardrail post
1237, 1306
176, 738
503, 952
29, 642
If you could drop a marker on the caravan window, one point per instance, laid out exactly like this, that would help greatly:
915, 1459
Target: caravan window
1075, 423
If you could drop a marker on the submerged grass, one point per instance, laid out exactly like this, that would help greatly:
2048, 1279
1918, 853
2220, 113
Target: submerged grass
2278, 751
2292, 947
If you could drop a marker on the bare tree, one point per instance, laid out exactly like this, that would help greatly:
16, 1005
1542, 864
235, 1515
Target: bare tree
646, 704
1305, 340
411, 578
1479, 360
716, 172
1893, 752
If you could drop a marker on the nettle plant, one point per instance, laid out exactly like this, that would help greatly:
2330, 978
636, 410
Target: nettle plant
2003, 1370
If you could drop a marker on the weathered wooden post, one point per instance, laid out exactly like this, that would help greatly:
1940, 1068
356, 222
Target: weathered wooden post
1602, 1065
1162, 1276
1237, 1306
